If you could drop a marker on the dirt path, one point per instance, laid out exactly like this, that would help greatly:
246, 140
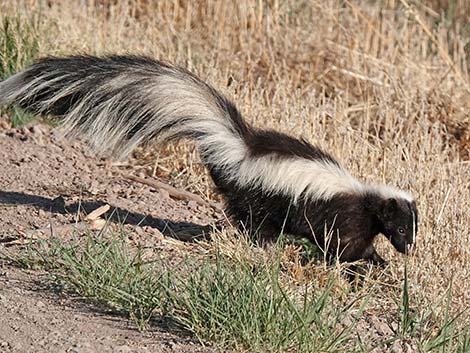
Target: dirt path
34, 317
45, 180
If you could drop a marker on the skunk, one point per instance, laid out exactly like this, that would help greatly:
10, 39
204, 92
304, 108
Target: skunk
271, 183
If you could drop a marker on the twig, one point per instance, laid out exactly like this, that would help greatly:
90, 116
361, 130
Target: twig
359, 76
446, 199
173, 192
97, 213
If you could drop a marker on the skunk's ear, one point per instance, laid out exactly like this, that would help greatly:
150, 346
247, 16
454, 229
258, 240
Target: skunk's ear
389, 208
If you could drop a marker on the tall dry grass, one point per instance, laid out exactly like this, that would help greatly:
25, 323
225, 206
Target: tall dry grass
384, 86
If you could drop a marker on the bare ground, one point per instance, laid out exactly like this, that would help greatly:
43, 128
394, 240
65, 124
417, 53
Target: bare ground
35, 317
45, 180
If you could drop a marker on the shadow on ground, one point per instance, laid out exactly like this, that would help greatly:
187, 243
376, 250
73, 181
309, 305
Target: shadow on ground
185, 231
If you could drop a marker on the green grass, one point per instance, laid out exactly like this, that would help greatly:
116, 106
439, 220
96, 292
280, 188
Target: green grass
19, 46
247, 308
444, 336
230, 303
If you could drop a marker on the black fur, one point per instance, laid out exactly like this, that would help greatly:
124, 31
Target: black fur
344, 226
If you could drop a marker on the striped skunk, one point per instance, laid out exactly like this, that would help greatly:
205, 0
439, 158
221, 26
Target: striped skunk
271, 182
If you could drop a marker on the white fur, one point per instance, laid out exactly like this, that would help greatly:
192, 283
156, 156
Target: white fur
297, 176
387, 192
170, 97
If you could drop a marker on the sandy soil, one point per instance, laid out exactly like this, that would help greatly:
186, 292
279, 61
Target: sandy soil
35, 317
45, 180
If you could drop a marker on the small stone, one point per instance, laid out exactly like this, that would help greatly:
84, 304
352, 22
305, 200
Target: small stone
122, 349
163, 194
155, 232
347, 321
4, 124
396, 347
192, 204
383, 328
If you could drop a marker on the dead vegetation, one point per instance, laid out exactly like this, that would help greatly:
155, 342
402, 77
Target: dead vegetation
384, 86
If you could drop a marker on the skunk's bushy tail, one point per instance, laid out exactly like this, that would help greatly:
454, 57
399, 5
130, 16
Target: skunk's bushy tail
118, 102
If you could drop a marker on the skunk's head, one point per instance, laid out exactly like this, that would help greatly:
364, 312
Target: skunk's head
399, 222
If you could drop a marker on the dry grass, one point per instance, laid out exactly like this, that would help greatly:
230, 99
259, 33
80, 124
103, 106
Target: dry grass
384, 86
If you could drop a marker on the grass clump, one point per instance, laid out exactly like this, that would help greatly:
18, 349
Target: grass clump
239, 305
247, 308
101, 270
19, 46
235, 305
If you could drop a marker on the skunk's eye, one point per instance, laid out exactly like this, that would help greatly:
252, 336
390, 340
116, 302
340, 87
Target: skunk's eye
401, 230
